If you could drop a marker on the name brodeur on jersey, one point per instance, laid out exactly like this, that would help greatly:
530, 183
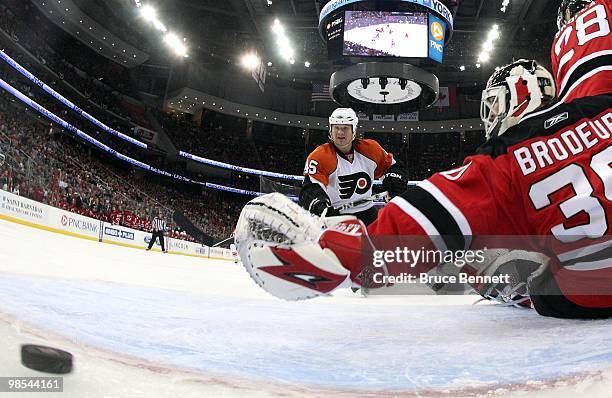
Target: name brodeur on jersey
544, 153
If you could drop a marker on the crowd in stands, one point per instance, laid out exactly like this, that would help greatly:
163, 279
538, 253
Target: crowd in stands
227, 139
46, 164
280, 148
37, 94
425, 154
100, 84
231, 140
58, 51
284, 150
219, 138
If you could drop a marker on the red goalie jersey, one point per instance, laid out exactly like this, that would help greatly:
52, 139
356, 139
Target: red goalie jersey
548, 178
582, 53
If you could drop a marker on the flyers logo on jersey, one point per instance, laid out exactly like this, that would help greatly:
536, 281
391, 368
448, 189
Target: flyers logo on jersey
359, 183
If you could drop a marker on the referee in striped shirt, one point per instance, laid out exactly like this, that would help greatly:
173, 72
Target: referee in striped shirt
159, 226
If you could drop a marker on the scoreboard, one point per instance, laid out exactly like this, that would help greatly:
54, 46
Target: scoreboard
395, 29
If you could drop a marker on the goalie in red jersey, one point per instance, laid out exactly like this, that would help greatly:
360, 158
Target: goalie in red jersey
544, 173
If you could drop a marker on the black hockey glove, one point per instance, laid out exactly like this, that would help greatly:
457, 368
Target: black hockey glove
395, 182
319, 206
314, 199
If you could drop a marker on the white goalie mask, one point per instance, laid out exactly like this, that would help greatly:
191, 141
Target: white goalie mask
512, 92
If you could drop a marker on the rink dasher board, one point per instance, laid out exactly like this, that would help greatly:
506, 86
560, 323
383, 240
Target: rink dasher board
17, 209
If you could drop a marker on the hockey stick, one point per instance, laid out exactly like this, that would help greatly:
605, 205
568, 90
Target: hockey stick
223, 241
356, 203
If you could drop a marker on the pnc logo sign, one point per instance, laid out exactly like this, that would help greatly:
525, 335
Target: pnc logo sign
83, 225
435, 45
437, 31
336, 22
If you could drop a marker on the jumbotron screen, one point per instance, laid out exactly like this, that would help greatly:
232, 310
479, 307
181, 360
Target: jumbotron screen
385, 34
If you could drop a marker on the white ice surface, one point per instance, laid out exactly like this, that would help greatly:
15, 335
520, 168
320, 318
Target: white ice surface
149, 324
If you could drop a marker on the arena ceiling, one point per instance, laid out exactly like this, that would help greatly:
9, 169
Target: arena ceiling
226, 29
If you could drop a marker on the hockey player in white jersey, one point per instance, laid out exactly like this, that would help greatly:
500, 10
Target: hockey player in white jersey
342, 171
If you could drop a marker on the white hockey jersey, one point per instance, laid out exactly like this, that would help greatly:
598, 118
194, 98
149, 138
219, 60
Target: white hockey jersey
348, 178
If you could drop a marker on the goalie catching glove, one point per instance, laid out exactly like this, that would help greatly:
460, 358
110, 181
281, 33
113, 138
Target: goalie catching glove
295, 255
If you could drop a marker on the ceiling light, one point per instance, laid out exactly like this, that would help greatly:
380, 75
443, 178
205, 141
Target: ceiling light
148, 13
250, 61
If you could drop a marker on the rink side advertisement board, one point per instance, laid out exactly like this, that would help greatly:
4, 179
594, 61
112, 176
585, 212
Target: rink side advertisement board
119, 234
75, 223
29, 212
22, 208
219, 252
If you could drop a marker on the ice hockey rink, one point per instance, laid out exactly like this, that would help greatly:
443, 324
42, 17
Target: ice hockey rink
143, 324
390, 43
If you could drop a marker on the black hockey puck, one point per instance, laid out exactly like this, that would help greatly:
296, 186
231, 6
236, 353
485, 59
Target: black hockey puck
46, 359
